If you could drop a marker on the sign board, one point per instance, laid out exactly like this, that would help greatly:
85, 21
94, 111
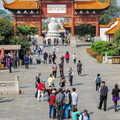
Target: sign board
56, 8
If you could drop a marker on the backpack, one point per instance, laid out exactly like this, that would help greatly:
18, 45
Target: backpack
98, 80
87, 116
67, 98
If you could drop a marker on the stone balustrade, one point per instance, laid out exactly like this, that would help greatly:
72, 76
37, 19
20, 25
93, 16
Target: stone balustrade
9, 87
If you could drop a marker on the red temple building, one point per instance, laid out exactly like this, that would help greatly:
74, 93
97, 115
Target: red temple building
80, 12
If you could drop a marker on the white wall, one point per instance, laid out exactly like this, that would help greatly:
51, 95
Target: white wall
103, 36
102, 33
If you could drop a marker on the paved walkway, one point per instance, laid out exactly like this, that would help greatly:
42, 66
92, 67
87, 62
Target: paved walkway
25, 106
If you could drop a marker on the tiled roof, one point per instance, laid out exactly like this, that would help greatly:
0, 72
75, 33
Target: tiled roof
17, 4
91, 5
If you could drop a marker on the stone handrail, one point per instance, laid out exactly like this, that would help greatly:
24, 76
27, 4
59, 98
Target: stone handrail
9, 87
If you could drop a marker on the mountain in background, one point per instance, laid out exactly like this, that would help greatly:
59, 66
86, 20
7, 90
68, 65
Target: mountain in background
5, 15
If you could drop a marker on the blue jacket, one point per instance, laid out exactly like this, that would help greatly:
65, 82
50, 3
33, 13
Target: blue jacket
26, 59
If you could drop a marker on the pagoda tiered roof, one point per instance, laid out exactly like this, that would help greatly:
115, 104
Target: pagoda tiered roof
21, 5
91, 5
34, 5
112, 30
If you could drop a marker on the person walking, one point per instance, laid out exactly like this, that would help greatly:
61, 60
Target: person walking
71, 73
54, 69
62, 59
79, 67
41, 90
98, 82
14, 60
61, 69
103, 95
115, 96
9, 64
57, 48
54, 57
37, 81
50, 58
52, 108
41, 49
67, 56
59, 103
45, 56
84, 116
26, 61
31, 59
74, 58
74, 96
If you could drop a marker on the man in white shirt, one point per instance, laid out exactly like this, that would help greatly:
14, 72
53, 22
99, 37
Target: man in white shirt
74, 96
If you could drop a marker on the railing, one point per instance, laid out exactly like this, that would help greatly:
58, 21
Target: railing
9, 87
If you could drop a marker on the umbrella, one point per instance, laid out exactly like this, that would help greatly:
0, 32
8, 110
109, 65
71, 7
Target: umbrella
2, 53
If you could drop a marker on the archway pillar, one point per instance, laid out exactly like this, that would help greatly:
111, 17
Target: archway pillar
15, 24
97, 29
73, 26
40, 26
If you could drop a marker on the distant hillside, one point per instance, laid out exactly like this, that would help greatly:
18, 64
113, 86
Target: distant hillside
2, 12
5, 15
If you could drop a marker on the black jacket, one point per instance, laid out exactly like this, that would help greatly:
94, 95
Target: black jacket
115, 92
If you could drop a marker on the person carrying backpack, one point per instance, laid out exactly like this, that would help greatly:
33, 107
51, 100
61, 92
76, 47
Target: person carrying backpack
67, 101
84, 116
98, 82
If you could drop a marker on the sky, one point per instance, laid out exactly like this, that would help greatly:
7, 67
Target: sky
1, 6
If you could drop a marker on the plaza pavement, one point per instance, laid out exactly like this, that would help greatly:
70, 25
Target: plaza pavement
25, 106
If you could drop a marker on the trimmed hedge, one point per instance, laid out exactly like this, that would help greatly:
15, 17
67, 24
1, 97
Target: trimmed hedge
99, 58
92, 53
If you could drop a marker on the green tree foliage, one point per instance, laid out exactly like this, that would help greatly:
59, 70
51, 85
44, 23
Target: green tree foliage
116, 38
21, 40
6, 31
101, 46
112, 12
5, 15
26, 30
104, 47
85, 29
45, 25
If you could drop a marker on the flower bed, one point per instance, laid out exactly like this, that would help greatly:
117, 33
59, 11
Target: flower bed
95, 55
92, 53
99, 58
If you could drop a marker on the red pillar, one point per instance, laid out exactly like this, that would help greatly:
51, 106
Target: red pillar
40, 26
15, 24
73, 27
73, 20
97, 27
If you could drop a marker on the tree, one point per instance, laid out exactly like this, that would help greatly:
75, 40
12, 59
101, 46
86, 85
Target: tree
116, 38
112, 12
26, 30
85, 29
6, 31
21, 40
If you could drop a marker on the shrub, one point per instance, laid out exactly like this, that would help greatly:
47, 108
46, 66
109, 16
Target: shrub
91, 52
99, 58
101, 46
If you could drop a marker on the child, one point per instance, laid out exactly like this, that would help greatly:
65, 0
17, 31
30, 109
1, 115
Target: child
76, 114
